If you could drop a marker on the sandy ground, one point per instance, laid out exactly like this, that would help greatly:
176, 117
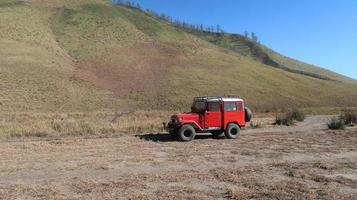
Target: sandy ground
304, 161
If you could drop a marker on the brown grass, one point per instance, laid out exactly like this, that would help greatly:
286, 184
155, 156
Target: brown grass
96, 124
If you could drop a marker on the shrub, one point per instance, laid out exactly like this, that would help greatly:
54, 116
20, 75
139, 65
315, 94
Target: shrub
336, 123
289, 118
284, 120
349, 117
297, 115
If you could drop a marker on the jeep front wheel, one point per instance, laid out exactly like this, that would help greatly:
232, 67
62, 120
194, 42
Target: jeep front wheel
186, 133
232, 131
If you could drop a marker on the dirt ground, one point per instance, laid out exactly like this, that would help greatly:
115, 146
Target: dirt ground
304, 161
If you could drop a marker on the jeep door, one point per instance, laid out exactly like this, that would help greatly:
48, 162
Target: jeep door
213, 115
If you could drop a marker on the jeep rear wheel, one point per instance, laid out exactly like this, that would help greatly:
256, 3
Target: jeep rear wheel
232, 131
186, 133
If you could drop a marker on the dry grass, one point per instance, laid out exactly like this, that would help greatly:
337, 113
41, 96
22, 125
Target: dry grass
96, 124
255, 124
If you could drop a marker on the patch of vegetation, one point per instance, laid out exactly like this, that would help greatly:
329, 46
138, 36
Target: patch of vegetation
247, 47
283, 119
10, 3
92, 124
297, 115
290, 117
336, 123
349, 117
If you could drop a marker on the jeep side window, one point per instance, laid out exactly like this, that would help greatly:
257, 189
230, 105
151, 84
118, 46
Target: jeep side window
213, 107
198, 106
230, 106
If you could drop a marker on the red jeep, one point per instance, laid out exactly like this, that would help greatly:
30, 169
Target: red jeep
211, 114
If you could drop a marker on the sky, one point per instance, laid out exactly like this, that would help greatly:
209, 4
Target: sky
319, 32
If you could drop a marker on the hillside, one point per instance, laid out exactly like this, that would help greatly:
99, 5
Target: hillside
89, 55
245, 46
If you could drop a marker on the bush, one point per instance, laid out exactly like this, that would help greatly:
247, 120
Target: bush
297, 115
284, 120
290, 117
349, 117
336, 123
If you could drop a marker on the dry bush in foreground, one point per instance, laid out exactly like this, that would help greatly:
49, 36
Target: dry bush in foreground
336, 123
290, 117
347, 118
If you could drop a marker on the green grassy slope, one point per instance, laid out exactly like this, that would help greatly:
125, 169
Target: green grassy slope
36, 73
263, 54
90, 55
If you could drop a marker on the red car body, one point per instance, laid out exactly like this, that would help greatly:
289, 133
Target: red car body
214, 114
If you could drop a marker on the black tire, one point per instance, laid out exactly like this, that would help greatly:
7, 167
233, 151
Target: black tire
216, 134
232, 131
186, 133
247, 114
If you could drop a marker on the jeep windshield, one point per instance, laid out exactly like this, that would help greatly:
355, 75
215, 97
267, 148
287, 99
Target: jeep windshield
198, 107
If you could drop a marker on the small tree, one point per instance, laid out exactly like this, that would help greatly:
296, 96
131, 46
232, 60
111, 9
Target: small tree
254, 37
218, 28
246, 34
117, 1
201, 28
129, 3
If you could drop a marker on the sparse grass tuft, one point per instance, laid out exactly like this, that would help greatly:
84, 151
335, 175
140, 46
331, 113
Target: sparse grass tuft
336, 123
254, 124
238, 193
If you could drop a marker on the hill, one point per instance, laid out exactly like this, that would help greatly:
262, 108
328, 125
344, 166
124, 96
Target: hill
89, 55
247, 47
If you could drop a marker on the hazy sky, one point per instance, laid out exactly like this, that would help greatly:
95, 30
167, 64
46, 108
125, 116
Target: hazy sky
320, 32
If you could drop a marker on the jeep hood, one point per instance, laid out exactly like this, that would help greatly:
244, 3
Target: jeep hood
188, 116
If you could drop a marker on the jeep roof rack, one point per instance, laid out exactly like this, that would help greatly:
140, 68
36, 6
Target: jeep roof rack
218, 98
